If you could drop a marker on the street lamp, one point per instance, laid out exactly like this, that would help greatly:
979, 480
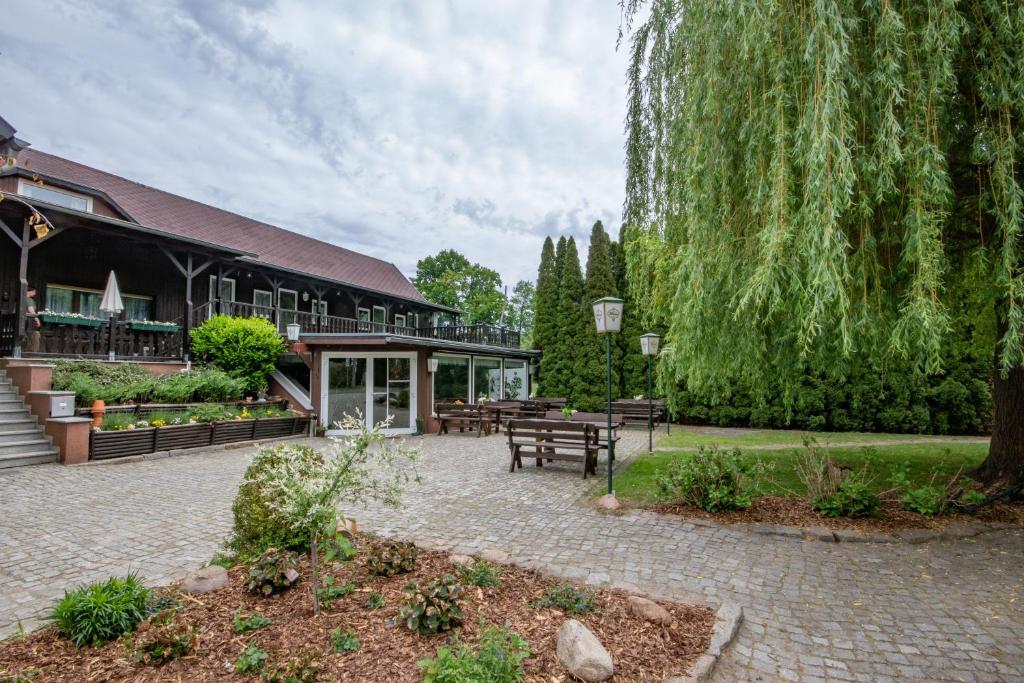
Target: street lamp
649, 347
608, 318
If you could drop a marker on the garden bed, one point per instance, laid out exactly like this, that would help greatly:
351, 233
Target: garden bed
140, 441
387, 650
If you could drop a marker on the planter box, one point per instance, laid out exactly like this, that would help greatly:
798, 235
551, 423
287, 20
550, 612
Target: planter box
103, 445
68, 320
152, 327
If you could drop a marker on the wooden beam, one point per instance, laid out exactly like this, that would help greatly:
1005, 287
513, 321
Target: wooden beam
10, 233
39, 240
175, 261
202, 267
23, 281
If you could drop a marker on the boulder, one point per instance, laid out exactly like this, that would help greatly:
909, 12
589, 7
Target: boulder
461, 559
205, 580
608, 502
649, 610
582, 653
495, 556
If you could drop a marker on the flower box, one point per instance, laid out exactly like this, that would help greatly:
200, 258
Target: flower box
64, 319
152, 326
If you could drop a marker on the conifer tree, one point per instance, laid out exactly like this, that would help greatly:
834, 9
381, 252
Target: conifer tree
590, 373
547, 384
545, 297
572, 320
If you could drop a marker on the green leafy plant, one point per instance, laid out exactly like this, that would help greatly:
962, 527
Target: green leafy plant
713, 479
481, 573
391, 558
925, 500
344, 641
251, 660
221, 559
101, 611
249, 622
329, 591
972, 497
245, 348
853, 497
361, 467
433, 607
374, 601
338, 549
301, 669
273, 571
568, 598
498, 659
164, 636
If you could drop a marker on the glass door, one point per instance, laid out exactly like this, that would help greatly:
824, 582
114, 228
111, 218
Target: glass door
346, 389
375, 386
392, 385
288, 302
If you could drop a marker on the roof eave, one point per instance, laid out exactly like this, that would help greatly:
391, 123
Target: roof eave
354, 338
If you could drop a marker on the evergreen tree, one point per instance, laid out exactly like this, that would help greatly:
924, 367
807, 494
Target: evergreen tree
632, 364
573, 318
548, 385
545, 297
590, 364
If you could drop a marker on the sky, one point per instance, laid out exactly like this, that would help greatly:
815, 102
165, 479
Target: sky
395, 129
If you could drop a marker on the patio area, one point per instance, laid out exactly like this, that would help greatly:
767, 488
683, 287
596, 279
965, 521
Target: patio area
814, 611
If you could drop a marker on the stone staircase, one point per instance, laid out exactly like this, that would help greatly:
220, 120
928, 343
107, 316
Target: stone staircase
22, 441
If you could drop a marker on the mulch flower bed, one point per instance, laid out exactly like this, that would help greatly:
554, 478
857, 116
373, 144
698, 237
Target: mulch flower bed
388, 651
798, 512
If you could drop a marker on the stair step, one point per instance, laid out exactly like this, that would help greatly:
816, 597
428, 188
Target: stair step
8, 425
36, 457
30, 445
27, 431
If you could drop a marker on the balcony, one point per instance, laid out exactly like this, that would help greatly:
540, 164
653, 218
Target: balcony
313, 323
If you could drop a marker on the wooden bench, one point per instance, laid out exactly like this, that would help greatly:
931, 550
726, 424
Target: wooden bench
634, 411
462, 416
553, 440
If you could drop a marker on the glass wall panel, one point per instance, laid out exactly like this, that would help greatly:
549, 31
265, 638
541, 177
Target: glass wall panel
346, 388
451, 381
516, 380
487, 378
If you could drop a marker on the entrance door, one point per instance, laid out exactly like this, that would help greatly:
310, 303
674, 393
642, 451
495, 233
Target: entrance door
374, 386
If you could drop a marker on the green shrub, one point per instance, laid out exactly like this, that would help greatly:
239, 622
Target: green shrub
432, 608
972, 497
163, 637
328, 592
250, 622
344, 641
499, 659
91, 380
712, 479
925, 500
251, 660
568, 598
101, 611
245, 348
392, 558
257, 525
273, 571
853, 497
481, 574
374, 601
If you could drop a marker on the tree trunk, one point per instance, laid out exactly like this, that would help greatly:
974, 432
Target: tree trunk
1005, 461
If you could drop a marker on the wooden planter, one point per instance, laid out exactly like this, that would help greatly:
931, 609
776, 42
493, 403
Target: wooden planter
104, 445
68, 320
141, 326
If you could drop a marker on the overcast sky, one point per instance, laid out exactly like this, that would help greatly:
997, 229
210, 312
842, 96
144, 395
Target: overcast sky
396, 129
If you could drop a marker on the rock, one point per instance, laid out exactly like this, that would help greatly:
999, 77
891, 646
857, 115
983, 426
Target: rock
649, 610
582, 653
461, 559
205, 580
608, 502
727, 622
495, 556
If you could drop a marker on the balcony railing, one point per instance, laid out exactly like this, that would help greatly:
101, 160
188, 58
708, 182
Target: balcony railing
314, 323
93, 339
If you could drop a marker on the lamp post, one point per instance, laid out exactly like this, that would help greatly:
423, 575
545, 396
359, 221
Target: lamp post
649, 347
608, 319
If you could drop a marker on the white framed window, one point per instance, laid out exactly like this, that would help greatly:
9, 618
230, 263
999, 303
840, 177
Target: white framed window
318, 306
363, 314
70, 200
380, 314
227, 288
85, 301
399, 320
262, 298
288, 299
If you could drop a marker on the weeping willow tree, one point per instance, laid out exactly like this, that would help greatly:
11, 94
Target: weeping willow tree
809, 177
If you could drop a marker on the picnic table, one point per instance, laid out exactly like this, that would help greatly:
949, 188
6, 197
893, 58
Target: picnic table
553, 440
599, 420
462, 415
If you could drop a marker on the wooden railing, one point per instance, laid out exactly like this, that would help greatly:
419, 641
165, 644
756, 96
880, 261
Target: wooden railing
313, 323
69, 339
8, 333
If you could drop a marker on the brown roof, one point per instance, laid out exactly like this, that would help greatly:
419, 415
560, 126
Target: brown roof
184, 217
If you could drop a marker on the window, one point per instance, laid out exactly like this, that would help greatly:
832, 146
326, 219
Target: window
288, 299
227, 288
487, 378
379, 314
363, 314
451, 380
64, 299
262, 298
399, 320
517, 380
52, 195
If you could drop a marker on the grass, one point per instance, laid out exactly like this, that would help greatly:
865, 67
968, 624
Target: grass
639, 481
681, 437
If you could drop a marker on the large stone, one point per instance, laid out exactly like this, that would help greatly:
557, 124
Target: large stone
495, 556
205, 580
582, 653
649, 610
608, 502
464, 560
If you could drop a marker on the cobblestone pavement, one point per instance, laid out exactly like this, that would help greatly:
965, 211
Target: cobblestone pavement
941, 611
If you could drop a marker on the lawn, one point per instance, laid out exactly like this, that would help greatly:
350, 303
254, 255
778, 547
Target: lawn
639, 481
684, 437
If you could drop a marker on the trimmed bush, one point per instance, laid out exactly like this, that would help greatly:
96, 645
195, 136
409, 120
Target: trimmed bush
245, 348
126, 383
101, 611
257, 525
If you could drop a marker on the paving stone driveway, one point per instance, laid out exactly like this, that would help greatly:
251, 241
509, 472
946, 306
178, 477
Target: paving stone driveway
942, 611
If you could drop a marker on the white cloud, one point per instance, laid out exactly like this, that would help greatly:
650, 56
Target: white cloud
395, 129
